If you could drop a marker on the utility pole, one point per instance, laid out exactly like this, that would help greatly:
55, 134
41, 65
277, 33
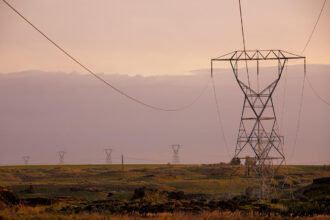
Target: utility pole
61, 157
258, 132
108, 152
26, 160
176, 148
122, 162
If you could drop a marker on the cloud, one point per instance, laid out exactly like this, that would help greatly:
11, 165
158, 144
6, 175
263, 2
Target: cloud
44, 112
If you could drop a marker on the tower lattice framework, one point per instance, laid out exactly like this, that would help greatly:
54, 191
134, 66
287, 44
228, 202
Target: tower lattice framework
108, 152
176, 148
258, 135
61, 157
26, 159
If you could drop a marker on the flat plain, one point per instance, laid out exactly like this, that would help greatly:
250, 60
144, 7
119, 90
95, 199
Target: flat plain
153, 191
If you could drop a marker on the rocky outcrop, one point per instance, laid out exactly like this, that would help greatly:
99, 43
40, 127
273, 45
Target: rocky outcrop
8, 198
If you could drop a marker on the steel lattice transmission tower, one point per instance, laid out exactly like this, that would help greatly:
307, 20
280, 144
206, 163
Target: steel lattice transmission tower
61, 157
258, 134
176, 148
108, 152
26, 160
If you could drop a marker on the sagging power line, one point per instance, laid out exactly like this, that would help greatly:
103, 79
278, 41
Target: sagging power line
303, 51
217, 105
314, 27
99, 77
316, 93
303, 85
140, 102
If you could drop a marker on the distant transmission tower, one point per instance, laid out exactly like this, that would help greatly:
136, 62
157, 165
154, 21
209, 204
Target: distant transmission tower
108, 152
61, 156
176, 148
26, 160
258, 134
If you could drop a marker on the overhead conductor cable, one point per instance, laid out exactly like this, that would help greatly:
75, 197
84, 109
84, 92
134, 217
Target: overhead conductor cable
306, 45
100, 78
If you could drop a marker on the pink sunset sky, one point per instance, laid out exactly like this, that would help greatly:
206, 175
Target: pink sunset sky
153, 37
159, 52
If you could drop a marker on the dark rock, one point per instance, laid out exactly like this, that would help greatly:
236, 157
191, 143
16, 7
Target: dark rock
38, 201
325, 180
274, 201
8, 197
75, 189
30, 189
177, 195
319, 188
197, 196
149, 194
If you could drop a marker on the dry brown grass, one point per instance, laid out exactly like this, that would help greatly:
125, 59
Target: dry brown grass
36, 213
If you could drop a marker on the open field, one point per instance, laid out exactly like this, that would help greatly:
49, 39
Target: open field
93, 182
68, 190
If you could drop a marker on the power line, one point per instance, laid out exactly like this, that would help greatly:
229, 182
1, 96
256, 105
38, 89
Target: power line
242, 27
145, 159
306, 78
315, 92
243, 38
299, 112
315, 161
306, 45
284, 93
317, 21
218, 112
100, 78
